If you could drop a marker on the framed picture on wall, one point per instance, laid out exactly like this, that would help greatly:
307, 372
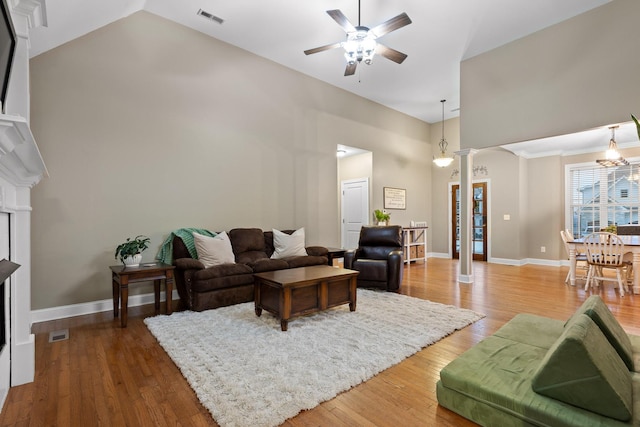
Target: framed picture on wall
395, 198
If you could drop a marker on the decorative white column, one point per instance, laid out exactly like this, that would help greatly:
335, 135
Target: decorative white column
466, 215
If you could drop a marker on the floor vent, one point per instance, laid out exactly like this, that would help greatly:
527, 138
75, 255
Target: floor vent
62, 335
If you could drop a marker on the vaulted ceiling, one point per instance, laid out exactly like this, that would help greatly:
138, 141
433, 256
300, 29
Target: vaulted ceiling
442, 33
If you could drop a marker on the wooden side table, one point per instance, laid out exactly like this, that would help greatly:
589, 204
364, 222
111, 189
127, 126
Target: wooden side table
122, 276
334, 253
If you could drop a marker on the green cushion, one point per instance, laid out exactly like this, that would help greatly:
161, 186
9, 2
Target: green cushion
597, 310
584, 370
530, 329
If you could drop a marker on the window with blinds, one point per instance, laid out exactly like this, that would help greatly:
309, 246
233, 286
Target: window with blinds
599, 197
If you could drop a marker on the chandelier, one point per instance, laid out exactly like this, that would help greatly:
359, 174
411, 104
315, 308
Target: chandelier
444, 159
612, 155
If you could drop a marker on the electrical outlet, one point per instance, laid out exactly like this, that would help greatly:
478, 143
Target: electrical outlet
543, 249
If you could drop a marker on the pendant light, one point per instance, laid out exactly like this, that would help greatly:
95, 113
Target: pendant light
612, 155
444, 159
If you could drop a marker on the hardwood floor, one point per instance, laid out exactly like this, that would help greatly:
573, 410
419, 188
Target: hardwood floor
105, 375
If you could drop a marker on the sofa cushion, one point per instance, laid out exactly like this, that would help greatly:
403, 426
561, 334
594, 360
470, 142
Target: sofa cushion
222, 270
221, 283
584, 370
288, 245
267, 264
247, 240
497, 373
214, 250
598, 311
533, 330
306, 261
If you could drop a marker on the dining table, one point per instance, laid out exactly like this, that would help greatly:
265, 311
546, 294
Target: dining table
631, 245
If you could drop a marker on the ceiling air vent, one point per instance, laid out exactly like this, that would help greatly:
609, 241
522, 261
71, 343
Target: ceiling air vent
210, 16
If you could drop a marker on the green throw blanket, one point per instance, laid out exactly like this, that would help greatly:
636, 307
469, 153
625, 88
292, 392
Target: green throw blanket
165, 254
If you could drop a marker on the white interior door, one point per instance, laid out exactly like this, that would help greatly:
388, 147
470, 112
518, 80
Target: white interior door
5, 353
355, 210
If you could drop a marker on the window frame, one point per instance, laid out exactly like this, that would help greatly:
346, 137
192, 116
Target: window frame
568, 207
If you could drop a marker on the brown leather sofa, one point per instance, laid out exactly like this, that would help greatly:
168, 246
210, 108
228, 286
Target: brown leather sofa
378, 257
203, 288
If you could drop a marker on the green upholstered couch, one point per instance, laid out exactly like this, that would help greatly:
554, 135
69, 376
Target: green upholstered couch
537, 371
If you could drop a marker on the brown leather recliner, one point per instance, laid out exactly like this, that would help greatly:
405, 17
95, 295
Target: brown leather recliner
378, 257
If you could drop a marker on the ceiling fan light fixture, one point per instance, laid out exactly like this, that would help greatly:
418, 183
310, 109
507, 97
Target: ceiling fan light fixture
444, 159
360, 46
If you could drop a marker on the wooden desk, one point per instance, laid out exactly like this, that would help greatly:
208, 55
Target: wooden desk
122, 276
631, 245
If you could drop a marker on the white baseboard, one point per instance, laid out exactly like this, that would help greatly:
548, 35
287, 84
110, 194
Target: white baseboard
62, 312
438, 255
507, 261
525, 261
465, 278
23, 362
547, 262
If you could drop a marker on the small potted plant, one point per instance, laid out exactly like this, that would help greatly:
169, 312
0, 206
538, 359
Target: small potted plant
130, 252
382, 217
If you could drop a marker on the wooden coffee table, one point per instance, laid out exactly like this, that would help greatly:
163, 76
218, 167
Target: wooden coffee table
298, 291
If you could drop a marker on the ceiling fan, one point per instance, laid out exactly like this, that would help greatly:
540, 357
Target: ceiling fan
361, 44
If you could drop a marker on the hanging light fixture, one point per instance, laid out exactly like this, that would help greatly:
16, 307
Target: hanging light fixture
444, 159
612, 155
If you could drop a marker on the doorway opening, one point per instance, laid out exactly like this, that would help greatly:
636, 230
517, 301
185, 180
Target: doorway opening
355, 170
479, 229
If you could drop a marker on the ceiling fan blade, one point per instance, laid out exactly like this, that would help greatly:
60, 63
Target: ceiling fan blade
341, 20
351, 69
391, 25
391, 54
322, 48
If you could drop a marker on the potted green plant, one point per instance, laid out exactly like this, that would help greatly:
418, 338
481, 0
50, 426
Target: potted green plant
130, 252
382, 217
635, 119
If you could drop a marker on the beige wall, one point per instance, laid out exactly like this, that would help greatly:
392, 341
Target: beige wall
355, 167
147, 126
576, 75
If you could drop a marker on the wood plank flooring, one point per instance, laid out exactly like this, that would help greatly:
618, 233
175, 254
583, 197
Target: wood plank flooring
107, 376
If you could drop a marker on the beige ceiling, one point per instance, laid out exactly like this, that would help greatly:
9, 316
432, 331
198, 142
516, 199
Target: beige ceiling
443, 33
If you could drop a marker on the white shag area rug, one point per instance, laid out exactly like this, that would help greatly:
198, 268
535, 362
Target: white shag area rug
247, 372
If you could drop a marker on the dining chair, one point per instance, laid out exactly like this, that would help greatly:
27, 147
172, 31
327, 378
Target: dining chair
605, 251
581, 257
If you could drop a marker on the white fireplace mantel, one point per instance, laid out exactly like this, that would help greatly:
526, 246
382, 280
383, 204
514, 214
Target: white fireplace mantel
20, 161
21, 168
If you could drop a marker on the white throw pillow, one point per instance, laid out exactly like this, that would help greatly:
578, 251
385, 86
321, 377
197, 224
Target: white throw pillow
286, 245
214, 250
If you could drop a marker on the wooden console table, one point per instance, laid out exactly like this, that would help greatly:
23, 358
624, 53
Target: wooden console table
122, 276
